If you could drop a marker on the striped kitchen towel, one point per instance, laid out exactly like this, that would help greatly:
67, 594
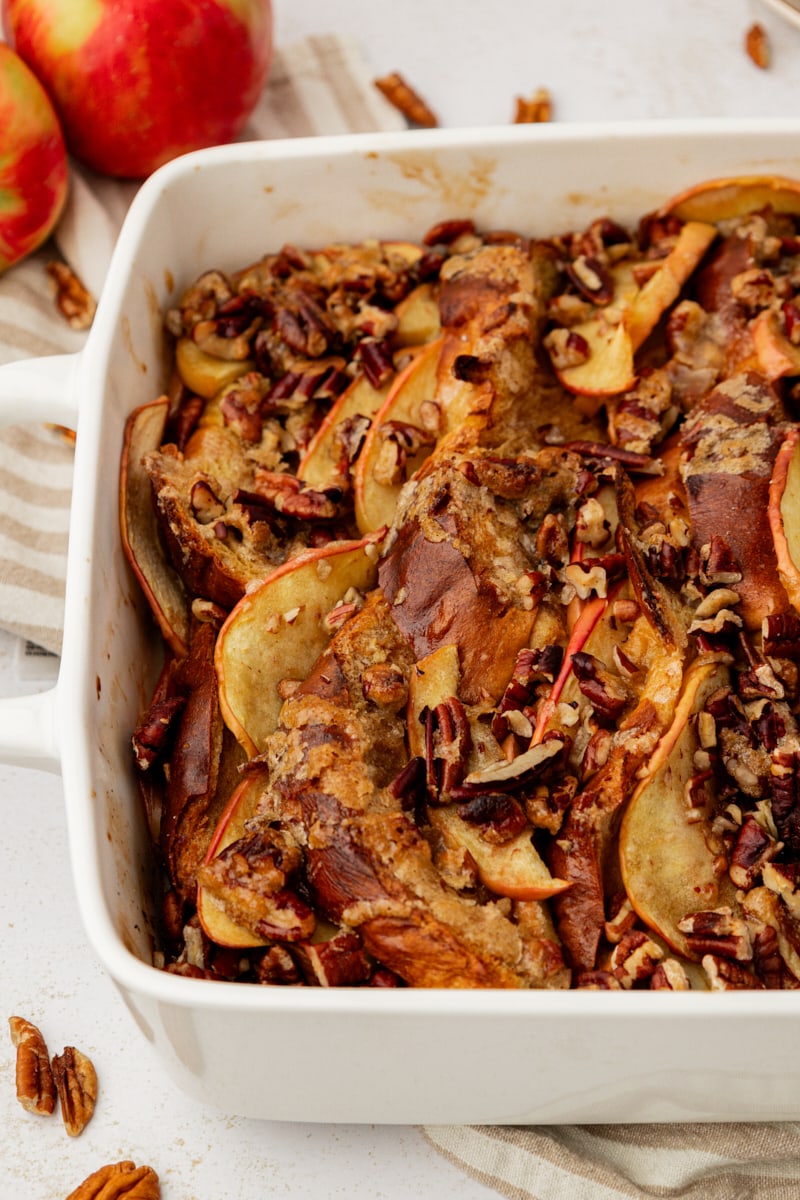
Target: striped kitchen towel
678, 1161
318, 86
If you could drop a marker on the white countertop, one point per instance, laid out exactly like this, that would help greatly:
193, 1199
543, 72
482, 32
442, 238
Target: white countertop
623, 59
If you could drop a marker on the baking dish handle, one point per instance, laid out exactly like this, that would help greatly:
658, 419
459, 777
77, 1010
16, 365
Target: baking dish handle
40, 390
35, 390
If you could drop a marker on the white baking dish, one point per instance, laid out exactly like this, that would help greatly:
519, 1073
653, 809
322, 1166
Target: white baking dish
365, 1055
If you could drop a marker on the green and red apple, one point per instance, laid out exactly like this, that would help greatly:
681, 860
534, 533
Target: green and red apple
33, 164
138, 82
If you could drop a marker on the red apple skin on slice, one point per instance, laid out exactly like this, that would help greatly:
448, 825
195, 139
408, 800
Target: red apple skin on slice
667, 866
240, 808
141, 542
278, 631
784, 514
375, 499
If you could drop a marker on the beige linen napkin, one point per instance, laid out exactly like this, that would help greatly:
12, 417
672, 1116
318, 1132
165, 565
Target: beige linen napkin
323, 86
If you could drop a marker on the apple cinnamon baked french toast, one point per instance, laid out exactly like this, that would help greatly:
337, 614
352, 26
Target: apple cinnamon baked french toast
477, 565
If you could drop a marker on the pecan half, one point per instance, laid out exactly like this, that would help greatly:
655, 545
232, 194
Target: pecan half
119, 1181
447, 745
36, 1090
76, 1082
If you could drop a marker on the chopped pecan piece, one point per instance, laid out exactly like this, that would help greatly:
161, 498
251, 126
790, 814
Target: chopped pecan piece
726, 976
754, 847
36, 1090
499, 815
621, 920
591, 277
757, 45
784, 880
400, 442
74, 301
119, 1181
533, 110
408, 786
567, 348
447, 745
406, 100
76, 1083
606, 692
277, 968
151, 739
718, 933
767, 957
287, 495
669, 976
339, 962
785, 793
781, 635
384, 684
596, 981
635, 958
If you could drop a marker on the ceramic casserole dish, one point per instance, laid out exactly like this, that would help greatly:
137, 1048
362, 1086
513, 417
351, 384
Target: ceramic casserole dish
368, 1054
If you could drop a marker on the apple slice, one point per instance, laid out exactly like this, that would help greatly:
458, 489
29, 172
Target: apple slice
783, 511
375, 498
590, 614
230, 827
278, 631
721, 199
418, 317
321, 460
615, 331
777, 356
202, 373
432, 680
667, 867
512, 868
664, 286
160, 583
609, 368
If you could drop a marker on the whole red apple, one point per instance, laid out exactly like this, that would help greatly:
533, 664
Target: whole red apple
137, 82
33, 161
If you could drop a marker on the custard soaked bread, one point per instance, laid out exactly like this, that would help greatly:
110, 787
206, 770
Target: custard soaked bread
487, 555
